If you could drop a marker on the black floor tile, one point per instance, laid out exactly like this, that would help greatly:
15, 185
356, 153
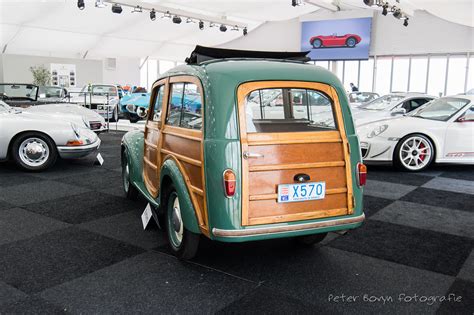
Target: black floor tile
462, 298
98, 178
424, 249
17, 178
265, 301
9, 294
465, 172
31, 305
85, 207
5, 205
150, 283
373, 204
42, 262
398, 177
441, 198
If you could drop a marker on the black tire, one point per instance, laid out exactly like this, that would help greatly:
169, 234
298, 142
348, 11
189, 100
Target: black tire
131, 192
133, 119
351, 42
317, 43
46, 163
189, 244
310, 240
114, 117
397, 160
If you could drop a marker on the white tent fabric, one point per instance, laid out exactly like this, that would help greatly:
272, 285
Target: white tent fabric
59, 28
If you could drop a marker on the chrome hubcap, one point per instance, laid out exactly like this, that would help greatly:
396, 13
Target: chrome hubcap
415, 153
126, 176
33, 152
176, 227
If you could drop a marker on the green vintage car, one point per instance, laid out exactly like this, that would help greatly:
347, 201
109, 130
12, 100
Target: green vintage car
243, 146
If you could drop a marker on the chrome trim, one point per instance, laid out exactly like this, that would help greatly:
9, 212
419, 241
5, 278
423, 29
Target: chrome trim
288, 228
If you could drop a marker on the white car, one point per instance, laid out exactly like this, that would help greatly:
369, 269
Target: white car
442, 131
35, 141
360, 98
388, 106
102, 98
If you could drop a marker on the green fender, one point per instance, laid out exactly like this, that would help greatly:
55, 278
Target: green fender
133, 142
170, 173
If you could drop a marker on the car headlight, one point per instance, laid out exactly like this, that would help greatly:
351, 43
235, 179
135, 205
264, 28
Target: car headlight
377, 131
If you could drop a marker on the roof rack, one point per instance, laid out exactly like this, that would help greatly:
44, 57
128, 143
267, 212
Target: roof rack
202, 54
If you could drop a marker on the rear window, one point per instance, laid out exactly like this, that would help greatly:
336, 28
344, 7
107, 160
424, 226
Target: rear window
288, 110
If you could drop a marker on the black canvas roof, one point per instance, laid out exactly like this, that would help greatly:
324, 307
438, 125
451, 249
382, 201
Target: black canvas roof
201, 54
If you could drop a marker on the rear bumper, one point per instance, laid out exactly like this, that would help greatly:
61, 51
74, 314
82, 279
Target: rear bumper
78, 151
296, 229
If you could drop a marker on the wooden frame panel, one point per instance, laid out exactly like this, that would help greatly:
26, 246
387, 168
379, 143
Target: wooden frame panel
262, 139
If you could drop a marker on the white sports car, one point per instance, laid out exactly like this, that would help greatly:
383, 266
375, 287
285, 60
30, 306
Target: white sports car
35, 141
441, 131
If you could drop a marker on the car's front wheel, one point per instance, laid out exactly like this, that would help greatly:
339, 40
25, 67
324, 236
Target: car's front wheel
183, 243
351, 42
130, 191
34, 151
317, 43
133, 118
414, 153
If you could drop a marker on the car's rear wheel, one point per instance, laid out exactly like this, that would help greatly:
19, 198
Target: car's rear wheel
131, 192
317, 43
414, 153
351, 42
34, 152
183, 243
310, 240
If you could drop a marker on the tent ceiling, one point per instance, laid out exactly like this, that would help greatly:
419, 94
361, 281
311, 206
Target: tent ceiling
58, 28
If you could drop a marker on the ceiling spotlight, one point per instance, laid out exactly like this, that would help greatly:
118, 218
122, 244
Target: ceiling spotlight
245, 31
80, 4
397, 13
176, 19
116, 8
385, 8
212, 24
189, 20
201, 25
234, 28
295, 3
137, 9
369, 2
405, 23
152, 15
167, 15
223, 28
100, 4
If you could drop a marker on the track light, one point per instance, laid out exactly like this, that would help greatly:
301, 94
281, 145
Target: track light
369, 2
201, 25
189, 20
100, 4
117, 8
397, 13
223, 28
244, 31
80, 4
176, 19
137, 9
212, 24
166, 15
152, 15
295, 3
385, 8
405, 23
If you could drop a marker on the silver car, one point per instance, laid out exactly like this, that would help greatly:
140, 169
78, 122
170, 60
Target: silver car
35, 141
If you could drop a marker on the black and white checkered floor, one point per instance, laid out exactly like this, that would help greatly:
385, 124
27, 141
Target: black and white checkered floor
70, 242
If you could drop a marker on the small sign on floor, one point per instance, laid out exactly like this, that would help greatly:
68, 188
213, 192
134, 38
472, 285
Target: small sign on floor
100, 159
146, 216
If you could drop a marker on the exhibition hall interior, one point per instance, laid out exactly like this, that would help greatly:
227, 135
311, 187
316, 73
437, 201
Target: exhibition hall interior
236, 157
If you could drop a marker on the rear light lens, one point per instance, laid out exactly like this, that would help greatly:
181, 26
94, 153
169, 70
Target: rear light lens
229, 183
362, 174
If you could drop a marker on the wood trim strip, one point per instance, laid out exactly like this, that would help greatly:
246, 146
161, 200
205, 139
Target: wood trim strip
182, 157
197, 190
273, 167
331, 191
151, 144
180, 132
307, 140
151, 164
298, 216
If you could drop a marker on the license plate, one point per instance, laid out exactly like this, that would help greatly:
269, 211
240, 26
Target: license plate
301, 192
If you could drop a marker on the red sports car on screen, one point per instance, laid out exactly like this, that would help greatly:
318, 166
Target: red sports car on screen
348, 40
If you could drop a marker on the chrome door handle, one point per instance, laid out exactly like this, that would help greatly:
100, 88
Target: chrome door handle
250, 155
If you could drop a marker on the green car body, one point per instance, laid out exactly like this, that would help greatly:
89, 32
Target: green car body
222, 150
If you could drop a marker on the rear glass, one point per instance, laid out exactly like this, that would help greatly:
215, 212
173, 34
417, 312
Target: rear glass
288, 110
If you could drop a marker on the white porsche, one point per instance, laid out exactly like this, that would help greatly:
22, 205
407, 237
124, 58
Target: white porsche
441, 131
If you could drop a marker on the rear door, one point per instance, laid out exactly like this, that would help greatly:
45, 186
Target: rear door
153, 126
292, 131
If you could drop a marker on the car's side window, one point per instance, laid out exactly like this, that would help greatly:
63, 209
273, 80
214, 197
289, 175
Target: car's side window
158, 103
185, 108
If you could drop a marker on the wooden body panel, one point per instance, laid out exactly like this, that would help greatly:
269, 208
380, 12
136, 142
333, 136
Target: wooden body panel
323, 155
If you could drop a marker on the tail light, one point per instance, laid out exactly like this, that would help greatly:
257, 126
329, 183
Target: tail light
362, 174
229, 183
